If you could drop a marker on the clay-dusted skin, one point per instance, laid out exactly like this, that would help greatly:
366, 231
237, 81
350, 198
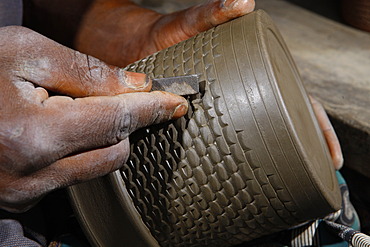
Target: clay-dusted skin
248, 160
65, 117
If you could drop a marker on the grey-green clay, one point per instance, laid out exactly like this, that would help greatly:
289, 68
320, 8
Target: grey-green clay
248, 159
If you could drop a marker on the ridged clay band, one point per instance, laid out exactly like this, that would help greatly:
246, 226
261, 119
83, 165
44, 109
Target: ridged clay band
248, 159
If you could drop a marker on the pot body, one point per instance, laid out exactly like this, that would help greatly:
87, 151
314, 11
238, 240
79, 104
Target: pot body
246, 161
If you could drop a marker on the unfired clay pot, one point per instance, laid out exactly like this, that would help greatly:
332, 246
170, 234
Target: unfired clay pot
248, 160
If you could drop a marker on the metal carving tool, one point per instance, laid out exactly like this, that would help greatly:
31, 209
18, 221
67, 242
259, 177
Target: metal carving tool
181, 85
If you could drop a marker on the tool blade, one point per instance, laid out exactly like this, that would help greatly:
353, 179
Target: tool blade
181, 85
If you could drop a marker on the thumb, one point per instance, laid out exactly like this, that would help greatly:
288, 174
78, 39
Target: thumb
45, 63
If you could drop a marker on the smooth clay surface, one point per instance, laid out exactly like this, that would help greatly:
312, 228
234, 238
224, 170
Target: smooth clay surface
247, 160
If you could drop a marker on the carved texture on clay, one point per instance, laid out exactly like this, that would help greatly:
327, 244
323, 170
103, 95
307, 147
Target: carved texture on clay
198, 181
247, 160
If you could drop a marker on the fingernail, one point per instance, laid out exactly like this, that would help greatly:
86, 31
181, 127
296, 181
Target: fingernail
137, 80
226, 3
180, 111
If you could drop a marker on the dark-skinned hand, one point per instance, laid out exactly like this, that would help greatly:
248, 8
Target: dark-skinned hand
48, 142
120, 32
52, 142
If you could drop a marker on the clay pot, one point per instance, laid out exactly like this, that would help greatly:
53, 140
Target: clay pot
248, 160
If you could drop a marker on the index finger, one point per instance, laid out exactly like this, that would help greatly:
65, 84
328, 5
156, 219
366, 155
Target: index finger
57, 68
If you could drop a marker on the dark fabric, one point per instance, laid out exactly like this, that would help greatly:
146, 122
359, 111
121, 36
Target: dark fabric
27, 227
49, 223
11, 12
13, 234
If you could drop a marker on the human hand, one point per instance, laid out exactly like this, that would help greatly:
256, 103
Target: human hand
48, 142
329, 133
120, 32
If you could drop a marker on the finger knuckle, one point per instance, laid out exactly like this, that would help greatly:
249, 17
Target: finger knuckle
124, 123
22, 148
